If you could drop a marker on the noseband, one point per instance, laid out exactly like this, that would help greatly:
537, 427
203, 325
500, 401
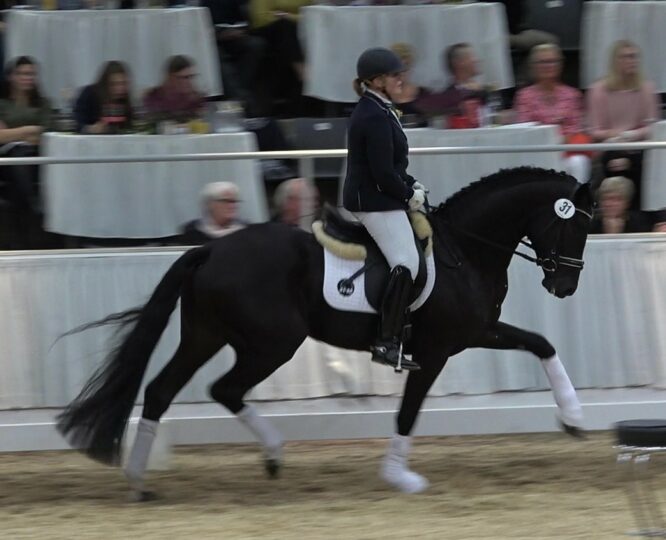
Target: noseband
551, 263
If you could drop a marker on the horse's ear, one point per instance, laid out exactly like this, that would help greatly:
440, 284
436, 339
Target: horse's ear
583, 196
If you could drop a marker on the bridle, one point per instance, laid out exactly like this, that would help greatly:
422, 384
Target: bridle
549, 264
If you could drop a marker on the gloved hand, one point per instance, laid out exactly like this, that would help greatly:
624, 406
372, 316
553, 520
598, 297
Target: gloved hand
419, 185
417, 200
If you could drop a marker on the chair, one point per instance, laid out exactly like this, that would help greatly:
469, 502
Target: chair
561, 18
637, 441
319, 134
270, 136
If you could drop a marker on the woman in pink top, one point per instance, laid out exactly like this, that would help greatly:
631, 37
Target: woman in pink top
548, 101
621, 108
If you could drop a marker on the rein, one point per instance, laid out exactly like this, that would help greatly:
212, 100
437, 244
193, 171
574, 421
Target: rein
549, 264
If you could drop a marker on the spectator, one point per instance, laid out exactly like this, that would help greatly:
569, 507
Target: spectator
522, 38
176, 98
105, 106
615, 216
219, 202
276, 21
24, 115
463, 98
411, 92
241, 53
295, 203
621, 107
548, 101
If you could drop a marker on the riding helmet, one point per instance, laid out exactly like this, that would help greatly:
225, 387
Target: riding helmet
378, 61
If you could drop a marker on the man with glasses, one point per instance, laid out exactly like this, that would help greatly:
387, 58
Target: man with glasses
219, 205
177, 97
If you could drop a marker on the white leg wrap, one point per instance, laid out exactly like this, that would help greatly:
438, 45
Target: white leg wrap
564, 393
138, 458
395, 470
268, 435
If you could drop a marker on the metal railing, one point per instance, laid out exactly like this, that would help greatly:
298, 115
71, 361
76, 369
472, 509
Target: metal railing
313, 154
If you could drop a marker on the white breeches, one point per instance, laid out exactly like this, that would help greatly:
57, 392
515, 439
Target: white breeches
394, 235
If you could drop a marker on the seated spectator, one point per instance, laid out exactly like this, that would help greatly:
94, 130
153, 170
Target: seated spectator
241, 53
522, 38
176, 98
105, 106
276, 21
295, 203
219, 201
614, 215
622, 107
410, 92
463, 98
24, 115
548, 101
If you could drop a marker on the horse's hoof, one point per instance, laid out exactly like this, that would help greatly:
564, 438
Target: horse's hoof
574, 431
142, 496
404, 480
272, 468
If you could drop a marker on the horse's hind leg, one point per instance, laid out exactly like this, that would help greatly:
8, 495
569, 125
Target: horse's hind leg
395, 467
252, 366
193, 352
505, 337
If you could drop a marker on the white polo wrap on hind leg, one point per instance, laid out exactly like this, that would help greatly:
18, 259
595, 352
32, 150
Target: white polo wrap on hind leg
137, 462
263, 430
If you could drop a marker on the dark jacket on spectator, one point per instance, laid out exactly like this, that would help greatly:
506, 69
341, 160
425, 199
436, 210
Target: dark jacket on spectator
377, 178
192, 235
88, 109
448, 100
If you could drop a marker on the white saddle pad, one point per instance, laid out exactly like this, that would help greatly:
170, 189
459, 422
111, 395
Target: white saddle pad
336, 269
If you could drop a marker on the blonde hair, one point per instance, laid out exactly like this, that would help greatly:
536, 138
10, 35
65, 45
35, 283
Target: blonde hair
614, 80
404, 51
617, 185
544, 47
538, 49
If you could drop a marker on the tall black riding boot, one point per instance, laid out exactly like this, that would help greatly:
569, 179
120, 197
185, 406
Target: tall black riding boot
388, 347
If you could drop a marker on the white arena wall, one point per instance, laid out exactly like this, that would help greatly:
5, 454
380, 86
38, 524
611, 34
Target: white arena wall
608, 335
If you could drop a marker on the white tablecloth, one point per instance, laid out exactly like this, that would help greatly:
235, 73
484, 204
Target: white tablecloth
71, 46
654, 167
445, 174
609, 334
606, 22
334, 37
142, 200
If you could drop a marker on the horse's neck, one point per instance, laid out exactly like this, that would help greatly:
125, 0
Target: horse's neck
497, 221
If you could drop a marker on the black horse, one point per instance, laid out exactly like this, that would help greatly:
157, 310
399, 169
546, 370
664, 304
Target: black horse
260, 291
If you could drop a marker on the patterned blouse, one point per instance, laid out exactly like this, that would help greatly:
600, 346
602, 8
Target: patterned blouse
564, 107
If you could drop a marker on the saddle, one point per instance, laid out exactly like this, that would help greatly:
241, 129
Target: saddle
351, 241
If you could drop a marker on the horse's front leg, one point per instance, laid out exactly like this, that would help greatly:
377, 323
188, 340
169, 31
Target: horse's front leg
395, 468
504, 336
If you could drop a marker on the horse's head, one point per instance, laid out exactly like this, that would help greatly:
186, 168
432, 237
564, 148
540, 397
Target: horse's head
558, 233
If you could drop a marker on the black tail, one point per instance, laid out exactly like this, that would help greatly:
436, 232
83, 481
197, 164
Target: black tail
95, 421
